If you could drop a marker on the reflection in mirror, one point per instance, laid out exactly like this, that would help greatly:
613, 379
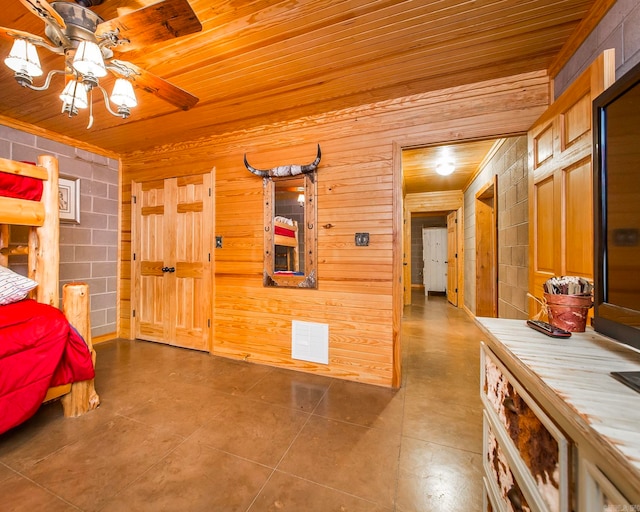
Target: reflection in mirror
288, 220
290, 234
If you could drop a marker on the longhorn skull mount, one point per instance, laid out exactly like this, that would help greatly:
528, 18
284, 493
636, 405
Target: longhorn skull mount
285, 171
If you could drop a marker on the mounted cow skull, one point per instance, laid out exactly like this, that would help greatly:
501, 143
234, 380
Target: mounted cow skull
283, 171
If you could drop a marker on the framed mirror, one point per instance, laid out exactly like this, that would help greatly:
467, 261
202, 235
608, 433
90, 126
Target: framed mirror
290, 233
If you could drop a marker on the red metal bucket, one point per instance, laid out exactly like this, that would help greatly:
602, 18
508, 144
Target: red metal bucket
569, 312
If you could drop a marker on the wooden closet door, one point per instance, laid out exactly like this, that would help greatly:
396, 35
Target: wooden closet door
172, 222
560, 182
190, 285
150, 311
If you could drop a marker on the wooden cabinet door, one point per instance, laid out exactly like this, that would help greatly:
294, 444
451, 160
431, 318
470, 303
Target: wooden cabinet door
560, 182
171, 265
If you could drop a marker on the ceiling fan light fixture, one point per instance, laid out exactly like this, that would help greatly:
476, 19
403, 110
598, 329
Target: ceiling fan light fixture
88, 60
445, 168
74, 96
123, 94
23, 58
87, 43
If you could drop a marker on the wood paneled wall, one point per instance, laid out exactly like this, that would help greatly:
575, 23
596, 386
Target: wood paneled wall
359, 291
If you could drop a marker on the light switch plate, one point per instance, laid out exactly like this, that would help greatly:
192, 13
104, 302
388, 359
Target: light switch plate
362, 239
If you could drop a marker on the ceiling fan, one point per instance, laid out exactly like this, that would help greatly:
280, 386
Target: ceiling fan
90, 44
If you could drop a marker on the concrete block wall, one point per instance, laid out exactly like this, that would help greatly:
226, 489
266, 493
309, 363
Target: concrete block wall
619, 29
513, 228
509, 163
89, 250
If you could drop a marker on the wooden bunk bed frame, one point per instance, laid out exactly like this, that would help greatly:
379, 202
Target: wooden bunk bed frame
288, 241
43, 218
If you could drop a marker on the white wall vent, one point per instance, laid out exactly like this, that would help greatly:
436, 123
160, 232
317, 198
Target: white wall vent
310, 341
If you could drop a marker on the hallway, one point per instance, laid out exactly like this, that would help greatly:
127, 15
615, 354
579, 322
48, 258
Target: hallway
442, 420
184, 431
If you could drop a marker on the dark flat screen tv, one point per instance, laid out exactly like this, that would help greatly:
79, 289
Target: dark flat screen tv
616, 157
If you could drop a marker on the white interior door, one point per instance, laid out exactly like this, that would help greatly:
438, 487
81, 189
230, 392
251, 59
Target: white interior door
434, 254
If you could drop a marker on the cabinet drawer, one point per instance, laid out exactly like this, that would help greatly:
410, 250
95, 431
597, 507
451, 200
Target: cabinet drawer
597, 492
503, 488
537, 445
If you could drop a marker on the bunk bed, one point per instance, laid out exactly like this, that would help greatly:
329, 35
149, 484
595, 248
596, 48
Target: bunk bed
45, 353
285, 233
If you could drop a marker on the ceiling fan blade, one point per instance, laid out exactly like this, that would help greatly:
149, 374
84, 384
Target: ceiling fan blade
164, 20
12, 33
42, 9
154, 84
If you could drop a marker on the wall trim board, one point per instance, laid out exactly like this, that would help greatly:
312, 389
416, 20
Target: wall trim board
41, 132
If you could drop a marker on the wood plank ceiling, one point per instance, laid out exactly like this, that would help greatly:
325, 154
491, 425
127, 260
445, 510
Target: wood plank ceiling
270, 61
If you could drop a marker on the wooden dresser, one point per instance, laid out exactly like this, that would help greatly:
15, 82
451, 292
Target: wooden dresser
560, 434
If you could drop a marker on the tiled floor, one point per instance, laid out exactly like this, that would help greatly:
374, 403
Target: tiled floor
184, 431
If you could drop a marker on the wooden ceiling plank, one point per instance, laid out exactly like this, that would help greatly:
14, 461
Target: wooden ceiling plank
476, 55
259, 62
262, 58
354, 34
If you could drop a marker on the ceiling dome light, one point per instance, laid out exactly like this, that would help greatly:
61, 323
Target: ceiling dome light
445, 168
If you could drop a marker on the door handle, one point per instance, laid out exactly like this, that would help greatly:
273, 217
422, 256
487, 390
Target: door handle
168, 269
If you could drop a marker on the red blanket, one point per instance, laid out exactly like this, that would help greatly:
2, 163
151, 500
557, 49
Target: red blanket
38, 349
21, 187
291, 233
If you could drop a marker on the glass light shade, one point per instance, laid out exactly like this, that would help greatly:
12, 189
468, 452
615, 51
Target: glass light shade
301, 199
23, 58
123, 94
445, 168
75, 94
88, 60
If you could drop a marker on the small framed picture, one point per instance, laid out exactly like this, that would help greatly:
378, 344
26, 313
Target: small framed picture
69, 199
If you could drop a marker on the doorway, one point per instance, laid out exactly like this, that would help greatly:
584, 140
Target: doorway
487, 250
446, 220
434, 180
452, 258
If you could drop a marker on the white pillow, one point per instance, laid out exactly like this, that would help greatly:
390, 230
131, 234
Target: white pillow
14, 287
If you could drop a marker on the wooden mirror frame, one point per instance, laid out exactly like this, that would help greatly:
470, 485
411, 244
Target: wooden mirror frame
271, 277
